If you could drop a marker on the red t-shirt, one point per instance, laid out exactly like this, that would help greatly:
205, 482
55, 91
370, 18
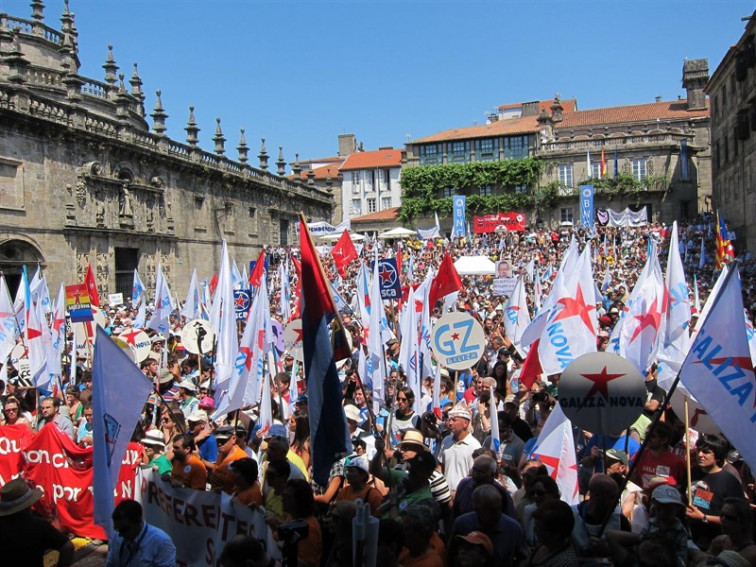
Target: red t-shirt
667, 465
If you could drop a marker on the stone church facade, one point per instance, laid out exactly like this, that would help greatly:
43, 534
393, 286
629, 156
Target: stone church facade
83, 180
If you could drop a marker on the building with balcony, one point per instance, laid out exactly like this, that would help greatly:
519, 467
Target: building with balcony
656, 154
84, 180
732, 92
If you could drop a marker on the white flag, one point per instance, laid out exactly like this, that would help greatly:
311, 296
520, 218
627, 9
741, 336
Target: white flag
119, 392
718, 370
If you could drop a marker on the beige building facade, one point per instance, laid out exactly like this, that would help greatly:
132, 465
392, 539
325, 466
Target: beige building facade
664, 146
85, 180
732, 91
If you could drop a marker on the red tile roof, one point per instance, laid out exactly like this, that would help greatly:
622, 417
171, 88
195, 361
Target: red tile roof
526, 125
665, 110
384, 215
321, 173
372, 159
569, 105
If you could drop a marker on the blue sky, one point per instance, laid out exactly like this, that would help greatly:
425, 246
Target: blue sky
301, 73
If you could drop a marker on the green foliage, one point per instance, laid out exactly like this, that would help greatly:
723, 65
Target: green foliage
422, 185
625, 185
548, 196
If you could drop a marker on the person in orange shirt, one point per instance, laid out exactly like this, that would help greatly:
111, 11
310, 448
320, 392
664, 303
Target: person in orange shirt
228, 452
356, 469
244, 473
188, 469
299, 504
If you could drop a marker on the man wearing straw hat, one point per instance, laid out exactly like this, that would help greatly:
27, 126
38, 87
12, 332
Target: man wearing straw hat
25, 537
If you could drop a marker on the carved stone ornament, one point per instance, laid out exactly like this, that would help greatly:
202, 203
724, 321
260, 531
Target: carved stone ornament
81, 192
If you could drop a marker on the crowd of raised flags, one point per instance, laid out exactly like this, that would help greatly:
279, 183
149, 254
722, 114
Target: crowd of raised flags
565, 282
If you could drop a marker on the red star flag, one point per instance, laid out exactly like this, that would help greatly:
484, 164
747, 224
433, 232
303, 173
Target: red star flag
570, 330
718, 370
248, 374
343, 252
642, 324
555, 448
446, 281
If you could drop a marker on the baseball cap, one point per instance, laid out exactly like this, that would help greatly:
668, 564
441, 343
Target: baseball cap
357, 462
616, 455
478, 538
275, 430
224, 432
198, 416
666, 494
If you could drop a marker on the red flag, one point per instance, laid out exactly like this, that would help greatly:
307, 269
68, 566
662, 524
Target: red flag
89, 280
343, 253
213, 283
257, 273
446, 281
531, 368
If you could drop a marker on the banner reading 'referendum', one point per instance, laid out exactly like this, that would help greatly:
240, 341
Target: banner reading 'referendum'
199, 522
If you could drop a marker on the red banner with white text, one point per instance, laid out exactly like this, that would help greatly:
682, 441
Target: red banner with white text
63, 472
499, 221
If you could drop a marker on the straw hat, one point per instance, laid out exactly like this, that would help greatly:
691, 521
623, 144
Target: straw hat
413, 439
16, 496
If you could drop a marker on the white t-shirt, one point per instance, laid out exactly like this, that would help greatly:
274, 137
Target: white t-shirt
456, 458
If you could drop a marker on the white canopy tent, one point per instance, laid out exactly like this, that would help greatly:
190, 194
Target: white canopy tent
399, 232
475, 266
335, 236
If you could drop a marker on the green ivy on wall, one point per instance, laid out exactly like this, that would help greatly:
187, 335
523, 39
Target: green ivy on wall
626, 186
422, 185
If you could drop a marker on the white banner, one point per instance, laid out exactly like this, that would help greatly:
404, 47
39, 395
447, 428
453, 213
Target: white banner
627, 217
200, 523
504, 286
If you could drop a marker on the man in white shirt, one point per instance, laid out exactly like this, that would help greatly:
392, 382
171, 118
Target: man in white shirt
455, 452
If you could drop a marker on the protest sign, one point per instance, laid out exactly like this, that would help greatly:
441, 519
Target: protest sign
200, 523
458, 341
504, 286
602, 393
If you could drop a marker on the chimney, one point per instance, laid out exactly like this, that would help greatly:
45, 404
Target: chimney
530, 108
657, 99
695, 77
347, 144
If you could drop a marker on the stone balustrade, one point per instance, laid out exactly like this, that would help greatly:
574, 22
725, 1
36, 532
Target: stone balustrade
94, 88
61, 113
609, 143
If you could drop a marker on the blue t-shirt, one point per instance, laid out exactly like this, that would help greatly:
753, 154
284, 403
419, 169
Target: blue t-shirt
208, 450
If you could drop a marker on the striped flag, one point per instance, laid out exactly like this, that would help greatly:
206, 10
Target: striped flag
329, 436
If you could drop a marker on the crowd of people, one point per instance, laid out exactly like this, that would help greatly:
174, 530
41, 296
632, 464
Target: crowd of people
442, 490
